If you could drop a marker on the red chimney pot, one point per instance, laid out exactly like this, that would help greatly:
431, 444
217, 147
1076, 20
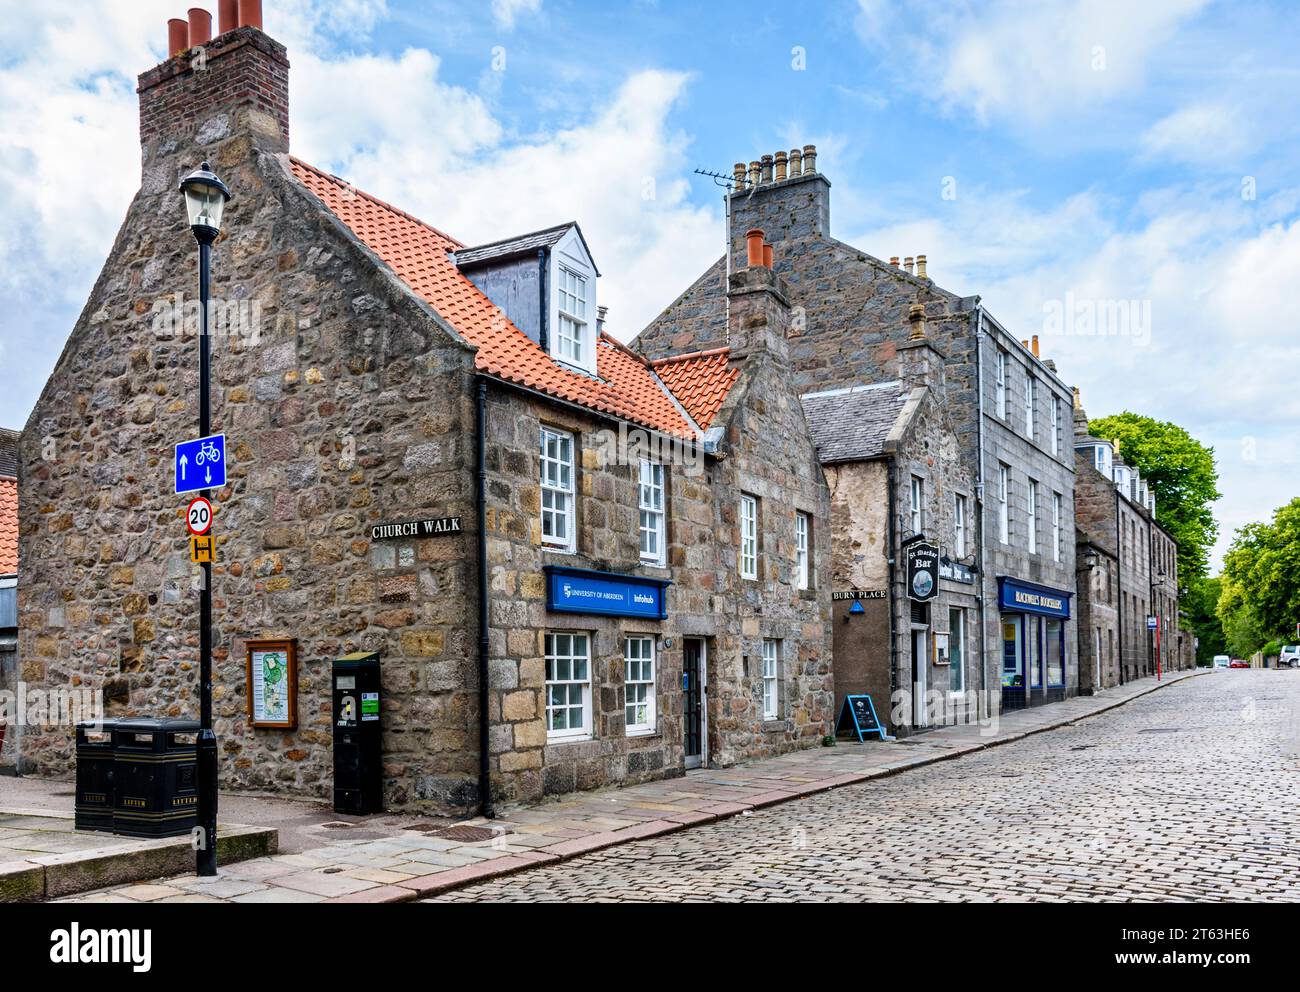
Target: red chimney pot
754, 243
767, 255
227, 15
200, 26
178, 36
250, 13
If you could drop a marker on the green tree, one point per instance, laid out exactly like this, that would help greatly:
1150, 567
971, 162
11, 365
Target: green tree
1201, 607
1181, 472
1261, 573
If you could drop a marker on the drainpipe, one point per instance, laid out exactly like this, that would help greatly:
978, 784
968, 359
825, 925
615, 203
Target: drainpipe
892, 562
978, 321
1119, 602
543, 310
484, 767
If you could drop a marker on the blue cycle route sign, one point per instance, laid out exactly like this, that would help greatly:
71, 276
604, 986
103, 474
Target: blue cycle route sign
201, 464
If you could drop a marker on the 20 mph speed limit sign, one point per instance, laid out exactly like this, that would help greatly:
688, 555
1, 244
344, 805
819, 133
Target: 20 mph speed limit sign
198, 518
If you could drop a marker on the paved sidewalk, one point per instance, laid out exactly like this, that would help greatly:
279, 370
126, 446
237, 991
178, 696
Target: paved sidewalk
412, 864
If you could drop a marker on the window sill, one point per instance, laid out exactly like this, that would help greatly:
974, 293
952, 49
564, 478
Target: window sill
552, 741
642, 734
557, 550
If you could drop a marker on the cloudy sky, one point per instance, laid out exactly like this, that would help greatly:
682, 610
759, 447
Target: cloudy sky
1051, 157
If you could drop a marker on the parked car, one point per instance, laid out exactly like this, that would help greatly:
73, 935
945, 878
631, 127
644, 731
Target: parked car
1238, 663
1290, 656
1222, 661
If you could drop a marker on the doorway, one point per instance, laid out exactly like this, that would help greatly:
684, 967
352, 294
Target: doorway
695, 711
920, 676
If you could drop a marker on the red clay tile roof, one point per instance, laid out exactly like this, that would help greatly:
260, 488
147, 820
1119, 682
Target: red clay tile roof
419, 254
700, 381
8, 526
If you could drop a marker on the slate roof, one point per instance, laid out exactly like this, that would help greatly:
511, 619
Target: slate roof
525, 244
700, 381
850, 425
8, 454
421, 256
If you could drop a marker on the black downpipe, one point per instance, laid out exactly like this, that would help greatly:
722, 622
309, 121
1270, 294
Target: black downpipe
1119, 581
484, 767
892, 561
543, 310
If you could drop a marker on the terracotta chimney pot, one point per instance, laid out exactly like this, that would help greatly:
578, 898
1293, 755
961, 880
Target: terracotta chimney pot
227, 15
920, 267
250, 13
767, 255
782, 162
200, 26
796, 163
178, 36
754, 245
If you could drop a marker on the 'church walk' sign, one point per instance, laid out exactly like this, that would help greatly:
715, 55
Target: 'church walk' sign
430, 527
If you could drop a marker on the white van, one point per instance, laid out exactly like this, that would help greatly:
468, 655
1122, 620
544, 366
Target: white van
1290, 656
1222, 661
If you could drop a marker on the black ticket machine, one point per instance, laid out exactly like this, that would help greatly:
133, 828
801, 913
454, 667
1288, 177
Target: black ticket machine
358, 754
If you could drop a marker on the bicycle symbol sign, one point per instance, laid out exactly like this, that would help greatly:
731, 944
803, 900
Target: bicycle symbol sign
201, 464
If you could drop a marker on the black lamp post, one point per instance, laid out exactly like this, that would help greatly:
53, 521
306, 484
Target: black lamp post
205, 201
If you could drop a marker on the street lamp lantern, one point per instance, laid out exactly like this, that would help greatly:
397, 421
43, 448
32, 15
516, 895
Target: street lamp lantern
1090, 558
205, 200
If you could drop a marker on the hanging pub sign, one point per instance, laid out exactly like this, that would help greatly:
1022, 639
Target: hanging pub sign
955, 571
273, 683
922, 571
414, 529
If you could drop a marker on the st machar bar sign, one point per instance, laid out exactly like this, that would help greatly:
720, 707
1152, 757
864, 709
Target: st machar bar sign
414, 529
922, 571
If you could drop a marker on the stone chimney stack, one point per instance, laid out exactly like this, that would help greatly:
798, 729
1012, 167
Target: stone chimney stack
782, 193
920, 363
760, 306
211, 88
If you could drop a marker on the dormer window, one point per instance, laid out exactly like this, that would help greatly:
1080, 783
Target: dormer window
571, 341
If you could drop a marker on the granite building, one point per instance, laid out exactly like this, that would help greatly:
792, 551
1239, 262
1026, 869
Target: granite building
8, 591
579, 566
1131, 624
1009, 409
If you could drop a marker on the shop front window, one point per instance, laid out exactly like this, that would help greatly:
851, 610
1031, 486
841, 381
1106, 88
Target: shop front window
1055, 653
1033, 626
1013, 676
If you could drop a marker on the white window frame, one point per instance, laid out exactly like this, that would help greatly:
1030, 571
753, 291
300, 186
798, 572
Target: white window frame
1001, 389
559, 491
1031, 387
957, 649
748, 537
566, 663
918, 505
640, 666
652, 501
1056, 526
1004, 503
771, 678
572, 344
802, 556
1031, 501
959, 526
1056, 425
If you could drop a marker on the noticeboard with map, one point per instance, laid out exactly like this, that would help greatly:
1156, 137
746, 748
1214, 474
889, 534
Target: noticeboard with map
273, 683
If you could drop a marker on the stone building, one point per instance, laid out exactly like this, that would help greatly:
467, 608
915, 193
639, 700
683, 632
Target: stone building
897, 481
1008, 407
8, 589
654, 593
1136, 578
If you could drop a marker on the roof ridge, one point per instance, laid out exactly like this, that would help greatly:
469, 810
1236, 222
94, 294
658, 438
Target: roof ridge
708, 353
615, 342
376, 200
519, 237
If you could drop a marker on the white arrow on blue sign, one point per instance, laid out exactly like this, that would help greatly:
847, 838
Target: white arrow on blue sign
201, 464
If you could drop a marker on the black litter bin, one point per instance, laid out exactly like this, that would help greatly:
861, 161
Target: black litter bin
94, 802
155, 778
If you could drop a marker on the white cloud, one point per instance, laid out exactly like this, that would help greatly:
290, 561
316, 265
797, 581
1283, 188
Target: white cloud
1005, 58
1212, 132
505, 12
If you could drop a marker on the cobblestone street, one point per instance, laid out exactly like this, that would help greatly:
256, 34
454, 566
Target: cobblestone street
1184, 794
